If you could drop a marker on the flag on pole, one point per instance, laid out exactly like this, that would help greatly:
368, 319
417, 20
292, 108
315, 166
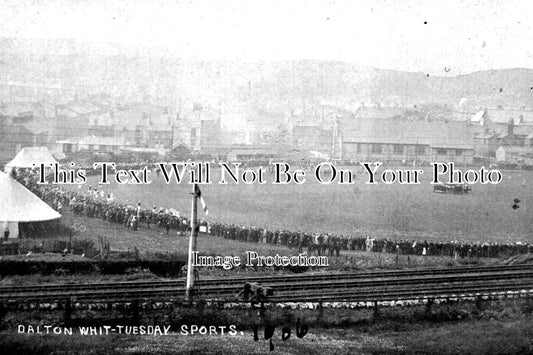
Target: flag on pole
202, 201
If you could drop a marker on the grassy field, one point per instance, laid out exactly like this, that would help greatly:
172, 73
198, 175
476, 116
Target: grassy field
151, 243
155, 241
394, 211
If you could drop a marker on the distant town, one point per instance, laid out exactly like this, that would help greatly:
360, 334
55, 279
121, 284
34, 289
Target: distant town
91, 101
102, 126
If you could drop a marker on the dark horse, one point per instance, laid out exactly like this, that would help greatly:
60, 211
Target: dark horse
334, 247
319, 248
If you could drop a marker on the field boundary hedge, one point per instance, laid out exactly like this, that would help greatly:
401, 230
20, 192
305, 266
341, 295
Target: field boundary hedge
165, 268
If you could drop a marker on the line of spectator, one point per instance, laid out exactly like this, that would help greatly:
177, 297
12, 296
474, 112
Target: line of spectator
95, 204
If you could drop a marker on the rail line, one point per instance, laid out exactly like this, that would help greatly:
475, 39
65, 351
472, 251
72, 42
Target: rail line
230, 293
395, 294
267, 280
298, 288
453, 291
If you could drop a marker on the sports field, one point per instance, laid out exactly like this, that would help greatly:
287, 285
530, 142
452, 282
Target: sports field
380, 210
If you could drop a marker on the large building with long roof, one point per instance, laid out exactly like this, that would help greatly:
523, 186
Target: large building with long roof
406, 141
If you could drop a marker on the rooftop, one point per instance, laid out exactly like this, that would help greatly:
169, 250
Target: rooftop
399, 131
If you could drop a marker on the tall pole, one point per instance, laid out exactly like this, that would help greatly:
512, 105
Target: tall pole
192, 245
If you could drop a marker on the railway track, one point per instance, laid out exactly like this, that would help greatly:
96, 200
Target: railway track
268, 280
347, 295
407, 293
303, 288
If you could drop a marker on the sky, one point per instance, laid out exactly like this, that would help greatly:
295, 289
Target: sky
439, 37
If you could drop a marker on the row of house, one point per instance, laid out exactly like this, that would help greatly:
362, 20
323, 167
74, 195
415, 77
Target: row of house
101, 125
369, 133
396, 134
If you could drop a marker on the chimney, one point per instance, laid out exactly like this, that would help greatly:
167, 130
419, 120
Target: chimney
510, 126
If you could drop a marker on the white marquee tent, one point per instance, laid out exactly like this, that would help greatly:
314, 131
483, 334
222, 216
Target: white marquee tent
28, 156
18, 204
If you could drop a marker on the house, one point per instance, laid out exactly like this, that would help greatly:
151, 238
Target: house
316, 129
312, 137
515, 138
185, 133
19, 111
15, 137
209, 133
492, 117
485, 144
181, 150
517, 141
267, 132
147, 127
159, 136
101, 124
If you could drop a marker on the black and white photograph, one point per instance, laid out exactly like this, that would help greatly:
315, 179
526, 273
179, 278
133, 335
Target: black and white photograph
266, 177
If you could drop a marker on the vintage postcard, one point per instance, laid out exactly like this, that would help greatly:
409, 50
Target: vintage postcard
256, 177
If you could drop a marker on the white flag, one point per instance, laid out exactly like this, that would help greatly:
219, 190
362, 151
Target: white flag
199, 195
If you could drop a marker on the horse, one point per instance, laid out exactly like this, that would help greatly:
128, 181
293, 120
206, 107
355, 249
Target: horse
334, 247
317, 246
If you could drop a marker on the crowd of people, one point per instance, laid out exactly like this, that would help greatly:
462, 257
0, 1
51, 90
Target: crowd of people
95, 203
325, 243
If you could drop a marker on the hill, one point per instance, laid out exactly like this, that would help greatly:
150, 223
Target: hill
157, 75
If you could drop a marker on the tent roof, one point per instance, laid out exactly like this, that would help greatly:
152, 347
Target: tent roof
31, 155
20, 205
